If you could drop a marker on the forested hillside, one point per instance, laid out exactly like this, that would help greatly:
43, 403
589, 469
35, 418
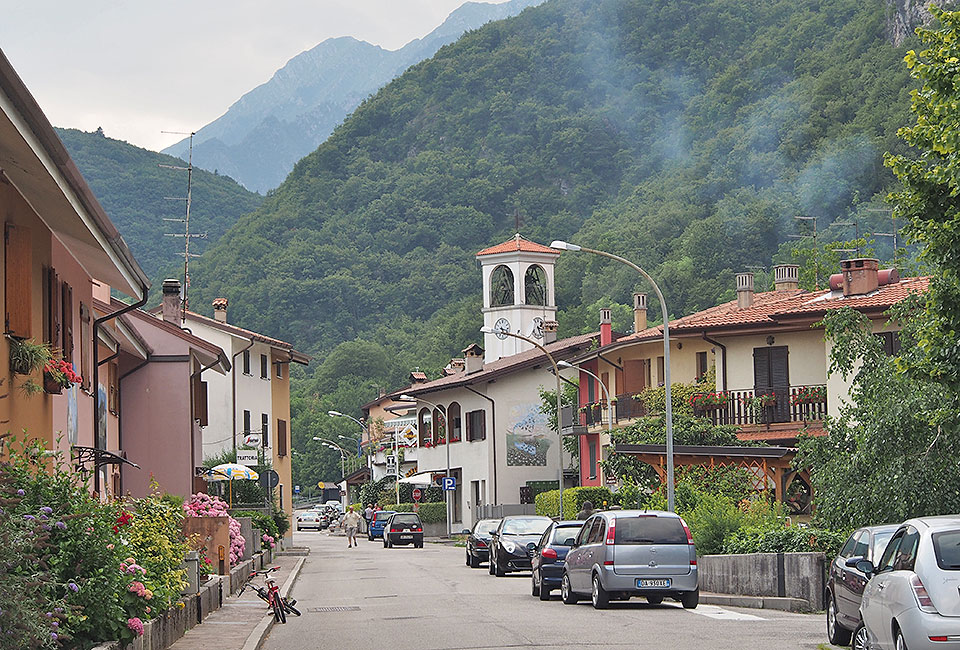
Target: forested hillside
131, 187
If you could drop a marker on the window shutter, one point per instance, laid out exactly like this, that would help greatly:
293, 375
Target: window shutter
113, 388
761, 369
86, 347
200, 402
281, 438
18, 266
779, 368
66, 315
482, 421
264, 430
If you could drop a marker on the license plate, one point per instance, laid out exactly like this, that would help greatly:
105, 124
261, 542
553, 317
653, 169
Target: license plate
406, 537
658, 583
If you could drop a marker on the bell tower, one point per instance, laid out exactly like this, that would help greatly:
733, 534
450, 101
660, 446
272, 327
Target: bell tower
518, 295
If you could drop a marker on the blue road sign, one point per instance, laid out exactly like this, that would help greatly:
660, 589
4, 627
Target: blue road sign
449, 482
296, 489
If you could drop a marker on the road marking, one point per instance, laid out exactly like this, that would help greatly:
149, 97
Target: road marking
712, 611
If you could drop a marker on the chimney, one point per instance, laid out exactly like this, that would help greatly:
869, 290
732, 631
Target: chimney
606, 328
744, 290
786, 277
220, 309
639, 312
550, 331
473, 359
171, 301
860, 276
418, 377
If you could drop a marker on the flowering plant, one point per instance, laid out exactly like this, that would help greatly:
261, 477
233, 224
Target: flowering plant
61, 372
709, 401
809, 395
205, 505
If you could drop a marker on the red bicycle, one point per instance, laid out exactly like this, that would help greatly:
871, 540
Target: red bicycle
271, 595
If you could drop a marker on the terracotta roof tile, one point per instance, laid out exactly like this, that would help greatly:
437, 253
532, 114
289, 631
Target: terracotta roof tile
517, 243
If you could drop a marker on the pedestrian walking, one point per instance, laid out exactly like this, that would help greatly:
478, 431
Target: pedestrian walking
368, 514
586, 510
350, 521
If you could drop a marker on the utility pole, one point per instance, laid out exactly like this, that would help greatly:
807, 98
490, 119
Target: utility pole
187, 236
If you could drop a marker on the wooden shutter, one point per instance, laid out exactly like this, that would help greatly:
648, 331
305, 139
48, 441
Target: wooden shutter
264, 430
200, 402
18, 267
113, 390
761, 370
281, 438
54, 304
661, 374
482, 425
86, 347
66, 316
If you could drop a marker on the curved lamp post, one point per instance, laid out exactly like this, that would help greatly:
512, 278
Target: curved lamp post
556, 371
332, 445
567, 364
446, 434
565, 246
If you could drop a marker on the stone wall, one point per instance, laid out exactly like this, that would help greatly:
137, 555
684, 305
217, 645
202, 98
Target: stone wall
790, 575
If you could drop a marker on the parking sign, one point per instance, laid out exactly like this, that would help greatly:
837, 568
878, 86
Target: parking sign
449, 483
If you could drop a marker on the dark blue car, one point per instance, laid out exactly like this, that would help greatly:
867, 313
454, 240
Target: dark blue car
376, 525
551, 551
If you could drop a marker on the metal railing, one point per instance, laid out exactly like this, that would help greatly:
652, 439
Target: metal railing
626, 408
748, 407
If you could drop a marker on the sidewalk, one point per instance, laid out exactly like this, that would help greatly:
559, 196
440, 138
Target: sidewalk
242, 623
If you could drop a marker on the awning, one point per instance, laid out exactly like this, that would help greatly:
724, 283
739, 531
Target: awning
421, 478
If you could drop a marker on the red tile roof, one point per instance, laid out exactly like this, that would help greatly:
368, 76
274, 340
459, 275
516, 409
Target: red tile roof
517, 243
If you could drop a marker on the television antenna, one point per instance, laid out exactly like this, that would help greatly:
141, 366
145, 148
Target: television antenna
816, 252
893, 230
186, 234
856, 230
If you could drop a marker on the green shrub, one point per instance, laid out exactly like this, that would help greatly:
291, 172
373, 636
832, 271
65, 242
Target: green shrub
430, 513
547, 503
266, 523
786, 540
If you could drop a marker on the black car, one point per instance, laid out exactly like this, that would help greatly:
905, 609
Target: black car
403, 528
478, 541
845, 584
547, 561
514, 541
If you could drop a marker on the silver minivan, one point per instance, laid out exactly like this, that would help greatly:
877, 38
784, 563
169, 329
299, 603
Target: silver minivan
623, 553
912, 598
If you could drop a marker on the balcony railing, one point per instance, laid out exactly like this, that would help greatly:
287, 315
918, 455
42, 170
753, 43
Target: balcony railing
749, 407
596, 414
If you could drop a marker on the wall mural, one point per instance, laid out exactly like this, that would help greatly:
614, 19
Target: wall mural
529, 437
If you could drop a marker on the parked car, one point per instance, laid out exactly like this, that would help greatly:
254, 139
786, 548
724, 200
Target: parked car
547, 561
403, 528
513, 541
845, 584
478, 541
309, 519
624, 553
911, 598
376, 524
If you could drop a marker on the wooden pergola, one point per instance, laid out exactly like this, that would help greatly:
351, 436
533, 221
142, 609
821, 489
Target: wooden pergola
771, 467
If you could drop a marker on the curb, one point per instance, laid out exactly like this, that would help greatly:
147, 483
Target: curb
259, 633
797, 605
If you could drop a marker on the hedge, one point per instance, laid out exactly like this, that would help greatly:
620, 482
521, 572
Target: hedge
430, 513
547, 503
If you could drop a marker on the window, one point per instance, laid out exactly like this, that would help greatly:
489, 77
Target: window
456, 428
246, 362
886, 562
891, 342
660, 372
281, 438
439, 426
584, 533
592, 447
596, 531
18, 268
501, 287
264, 430
264, 366
847, 550
946, 546
861, 547
86, 346
66, 314
701, 364
647, 369
649, 530
200, 401
907, 554
476, 425
424, 426
279, 370
535, 285
246, 422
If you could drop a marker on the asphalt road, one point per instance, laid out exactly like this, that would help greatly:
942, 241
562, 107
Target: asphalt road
428, 599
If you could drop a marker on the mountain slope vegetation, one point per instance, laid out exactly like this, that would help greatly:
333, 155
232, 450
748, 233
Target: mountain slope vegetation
686, 135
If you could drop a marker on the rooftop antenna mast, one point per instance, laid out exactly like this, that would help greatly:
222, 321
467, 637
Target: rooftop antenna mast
856, 230
893, 231
186, 234
816, 251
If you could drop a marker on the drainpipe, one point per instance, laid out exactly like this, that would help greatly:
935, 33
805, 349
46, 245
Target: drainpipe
97, 322
233, 394
723, 358
493, 438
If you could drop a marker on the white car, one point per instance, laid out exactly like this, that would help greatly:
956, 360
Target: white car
310, 519
913, 597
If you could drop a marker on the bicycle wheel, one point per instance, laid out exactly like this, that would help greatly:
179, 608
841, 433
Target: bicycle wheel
290, 608
278, 614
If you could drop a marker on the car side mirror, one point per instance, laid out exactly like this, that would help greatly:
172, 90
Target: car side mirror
466, 531
866, 567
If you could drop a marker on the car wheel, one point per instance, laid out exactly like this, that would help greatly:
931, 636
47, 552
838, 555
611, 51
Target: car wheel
899, 642
654, 600
599, 595
534, 585
497, 569
859, 640
474, 561
418, 545
690, 599
469, 559
836, 634
566, 593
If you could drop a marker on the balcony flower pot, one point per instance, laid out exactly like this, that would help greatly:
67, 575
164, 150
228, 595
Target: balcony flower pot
810, 395
52, 384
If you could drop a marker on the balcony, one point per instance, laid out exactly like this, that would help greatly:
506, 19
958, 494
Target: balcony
751, 409
595, 415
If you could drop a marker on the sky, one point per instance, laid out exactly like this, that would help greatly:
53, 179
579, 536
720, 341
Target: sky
140, 67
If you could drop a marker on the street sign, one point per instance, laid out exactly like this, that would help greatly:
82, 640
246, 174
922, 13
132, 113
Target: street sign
391, 464
247, 457
269, 478
417, 494
320, 485
449, 483
252, 440
296, 489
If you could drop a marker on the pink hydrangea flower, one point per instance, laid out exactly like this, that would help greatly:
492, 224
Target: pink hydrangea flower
135, 625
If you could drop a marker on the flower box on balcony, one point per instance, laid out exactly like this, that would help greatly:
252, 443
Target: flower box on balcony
709, 401
810, 395
51, 384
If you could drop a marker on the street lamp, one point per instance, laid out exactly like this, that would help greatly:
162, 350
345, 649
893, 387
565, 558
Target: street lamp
329, 444
446, 424
567, 364
565, 246
556, 371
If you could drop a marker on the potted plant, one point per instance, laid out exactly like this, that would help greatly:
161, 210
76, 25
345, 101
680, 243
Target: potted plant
810, 395
57, 375
709, 401
26, 357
